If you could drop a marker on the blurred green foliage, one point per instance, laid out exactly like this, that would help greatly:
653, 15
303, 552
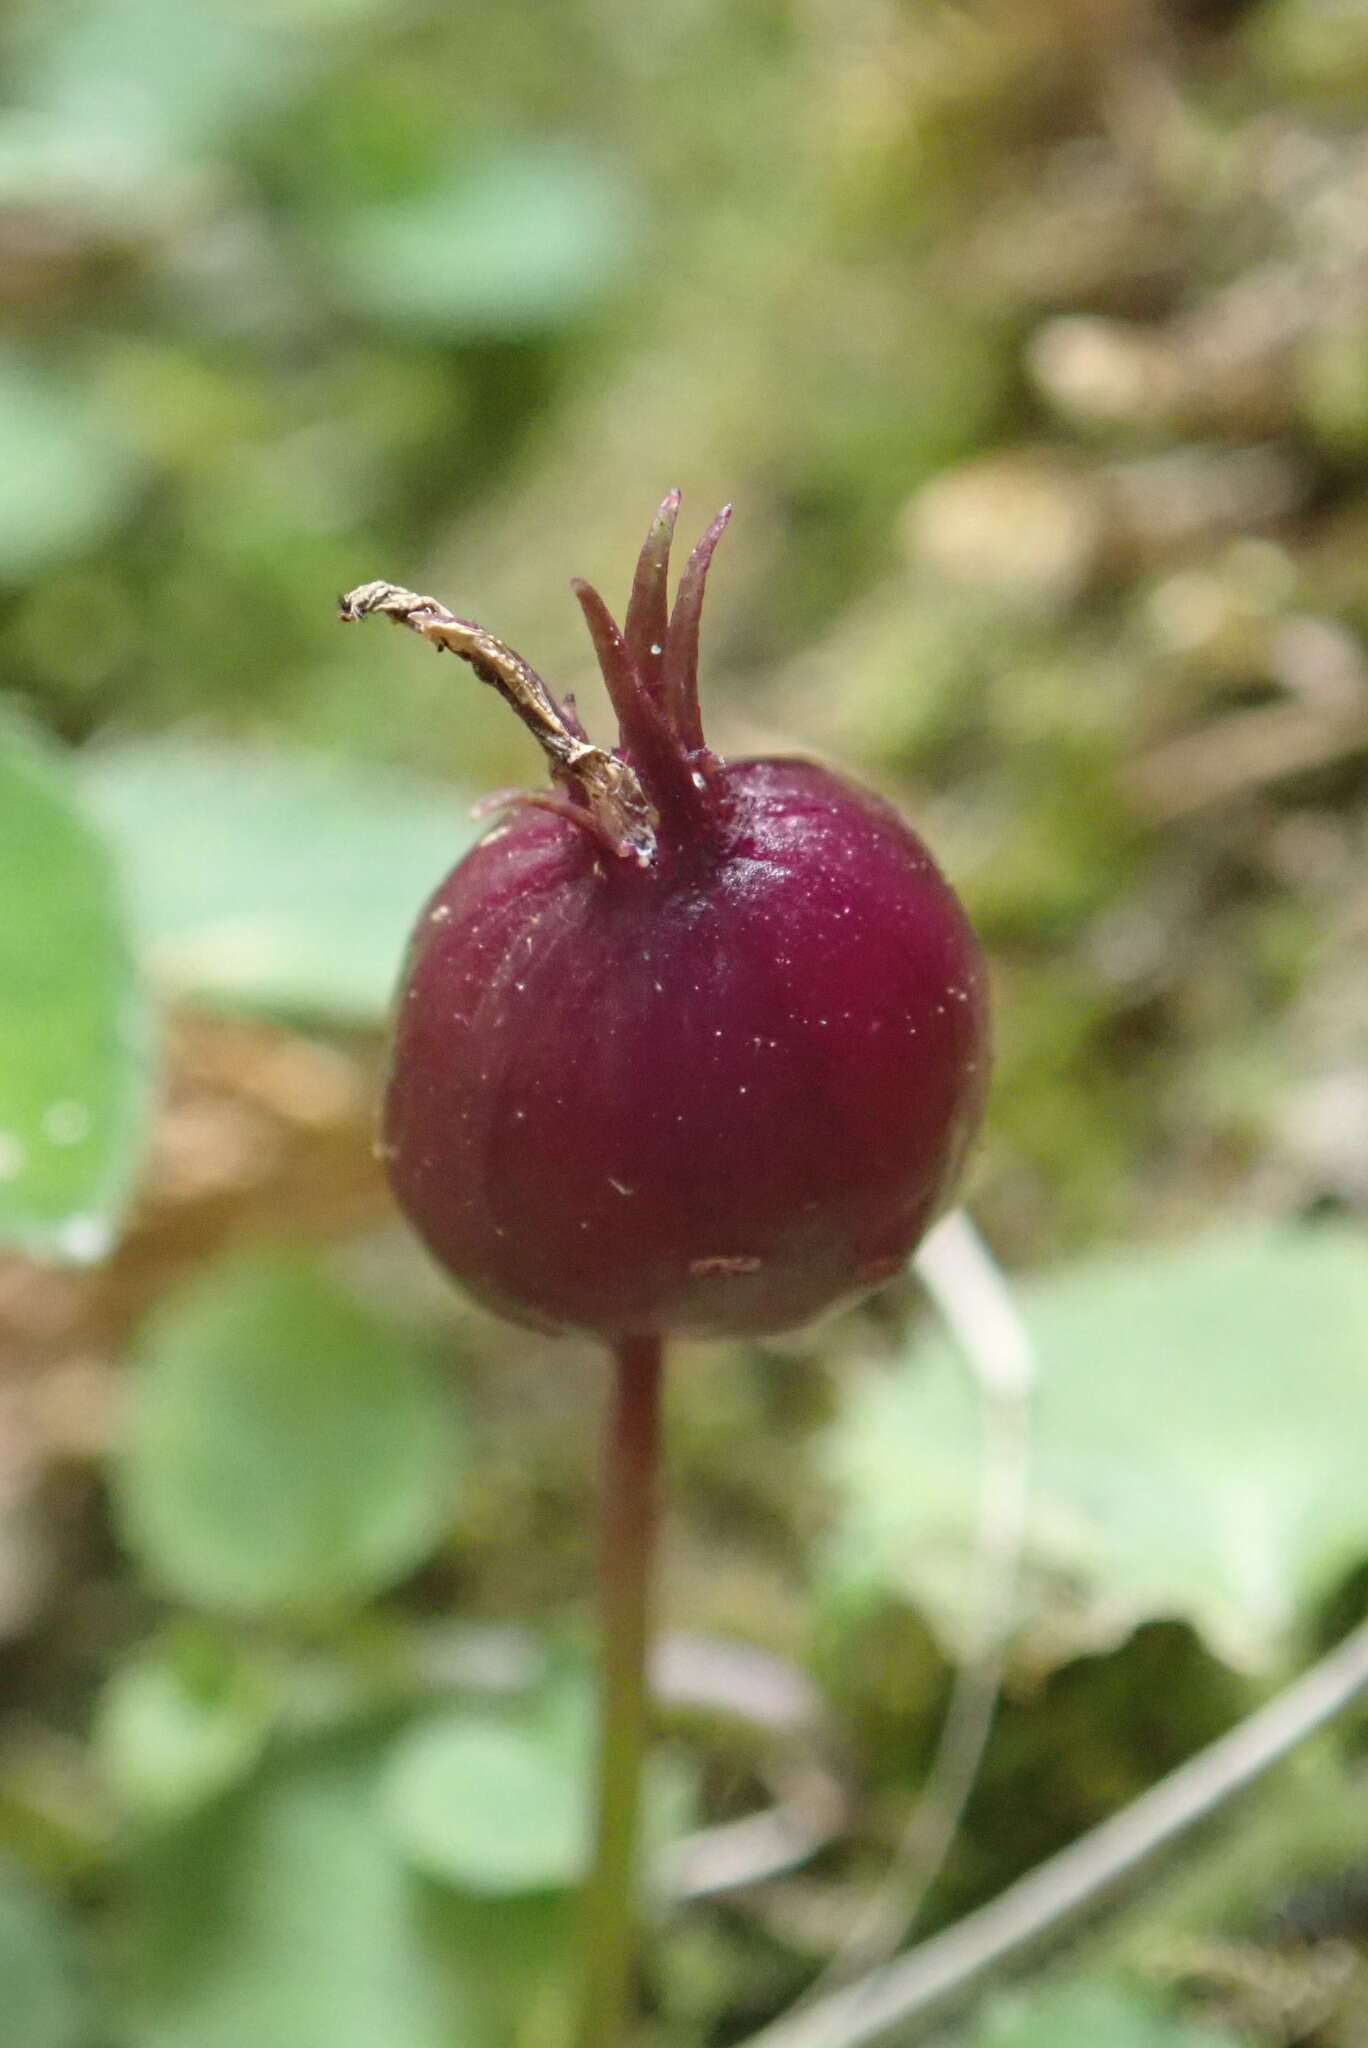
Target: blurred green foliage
74, 1028
1031, 339
1093, 2012
273, 881
285, 1451
1175, 1351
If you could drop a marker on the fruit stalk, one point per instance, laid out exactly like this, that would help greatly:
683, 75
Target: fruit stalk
629, 1516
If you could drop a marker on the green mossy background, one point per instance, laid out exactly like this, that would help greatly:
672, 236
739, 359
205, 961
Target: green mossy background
1030, 340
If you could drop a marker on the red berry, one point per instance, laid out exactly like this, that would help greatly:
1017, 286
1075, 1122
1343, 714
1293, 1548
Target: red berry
701, 1048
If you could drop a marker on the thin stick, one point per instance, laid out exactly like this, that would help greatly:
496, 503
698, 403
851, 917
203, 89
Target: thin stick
976, 1304
940, 1970
630, 1512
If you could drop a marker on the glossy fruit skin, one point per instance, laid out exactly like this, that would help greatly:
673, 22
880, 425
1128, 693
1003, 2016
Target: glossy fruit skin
717, 1095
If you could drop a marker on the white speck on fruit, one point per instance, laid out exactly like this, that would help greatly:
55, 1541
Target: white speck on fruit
13, 1153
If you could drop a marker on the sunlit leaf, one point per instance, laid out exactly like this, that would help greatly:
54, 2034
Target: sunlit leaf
282, 882
515, 241
1198, 1450
482, 1803
74, 1029
285, 1449
178, 1723
499, 1805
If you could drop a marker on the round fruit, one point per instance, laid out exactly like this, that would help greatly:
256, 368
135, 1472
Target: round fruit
683, 1046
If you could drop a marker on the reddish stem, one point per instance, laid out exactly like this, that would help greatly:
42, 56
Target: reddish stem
629, 1518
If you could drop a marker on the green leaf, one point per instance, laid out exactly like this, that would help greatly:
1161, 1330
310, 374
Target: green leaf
279, 882
481, 1803
281, 1918
64, 479
507, 1962
500, 1805
513, 242
74, 1027
1198, 1450
41, 1996
285, 1449
1095, 2012
153, 80
179, 1723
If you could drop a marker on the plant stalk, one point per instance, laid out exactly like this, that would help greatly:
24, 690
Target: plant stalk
629, 1517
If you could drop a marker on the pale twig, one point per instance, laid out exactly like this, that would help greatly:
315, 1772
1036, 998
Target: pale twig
810, 1808
1243, 753
938, 1971
608, 785
976, 1305
759, 1846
